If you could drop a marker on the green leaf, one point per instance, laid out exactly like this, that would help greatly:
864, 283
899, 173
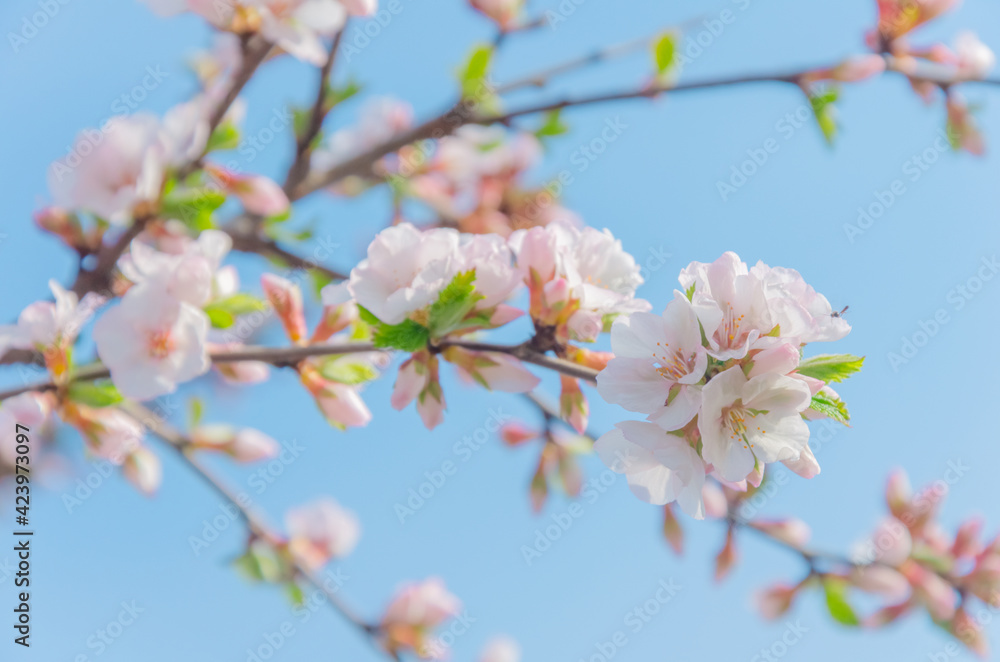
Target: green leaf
472, 76
344, 371
836, 602
665, 52
219, 318
456, 301
260, 563
193, 206
338, 95
237, 304
689, 292
830, 406
407, 336
196, 409
552, 125
825, 112
367, 316
225, 136
94, 394
831, 367
295, 594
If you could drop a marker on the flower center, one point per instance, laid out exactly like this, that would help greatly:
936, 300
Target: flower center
738, 421
730, 330
673, 364
160, 344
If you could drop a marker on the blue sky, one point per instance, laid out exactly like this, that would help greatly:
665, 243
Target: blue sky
656, 188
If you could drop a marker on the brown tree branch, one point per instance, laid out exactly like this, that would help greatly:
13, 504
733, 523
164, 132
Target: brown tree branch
255, 522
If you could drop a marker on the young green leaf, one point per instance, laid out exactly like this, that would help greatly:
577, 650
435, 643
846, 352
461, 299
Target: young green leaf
831, 407
836, 602
831, 367
665, 52
456, 301
407, 336
94, 394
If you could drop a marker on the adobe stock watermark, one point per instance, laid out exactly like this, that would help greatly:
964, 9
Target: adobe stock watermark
912, 169
791, 635
536, 211
128, 102
33, 23
313, 600
106, 636
758, 157
102, 468
591, 491
462, 451
634, 621
259, 481
958, 298
822, 433
363, 34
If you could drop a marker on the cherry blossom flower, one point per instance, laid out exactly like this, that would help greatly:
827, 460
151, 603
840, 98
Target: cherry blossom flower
659, 363
51, 328
577, 278
243, 445
30, 410
297, 26
321, 531
974, 58
801, 314
112, 171
404, 271
504, 12
188, 276
731, 304
113, 435
661, 467
152, 342
381, 119
748, 421
414, 611
501, 649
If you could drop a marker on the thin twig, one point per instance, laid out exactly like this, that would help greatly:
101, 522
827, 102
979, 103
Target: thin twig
178, 442
290, 356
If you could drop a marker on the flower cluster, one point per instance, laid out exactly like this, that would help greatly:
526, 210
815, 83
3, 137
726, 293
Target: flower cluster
721, 378
298, 27
424, 290
910, 563
473, 180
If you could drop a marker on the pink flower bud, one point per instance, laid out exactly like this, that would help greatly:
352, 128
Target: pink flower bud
967, 539
516, 433
774, 602
881, 580
898, 493
423, 605
573, 406
321, 531
791, 531
259, 194
142, 469
858, 68
286, 298
937, 595
726, 558
967, 630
